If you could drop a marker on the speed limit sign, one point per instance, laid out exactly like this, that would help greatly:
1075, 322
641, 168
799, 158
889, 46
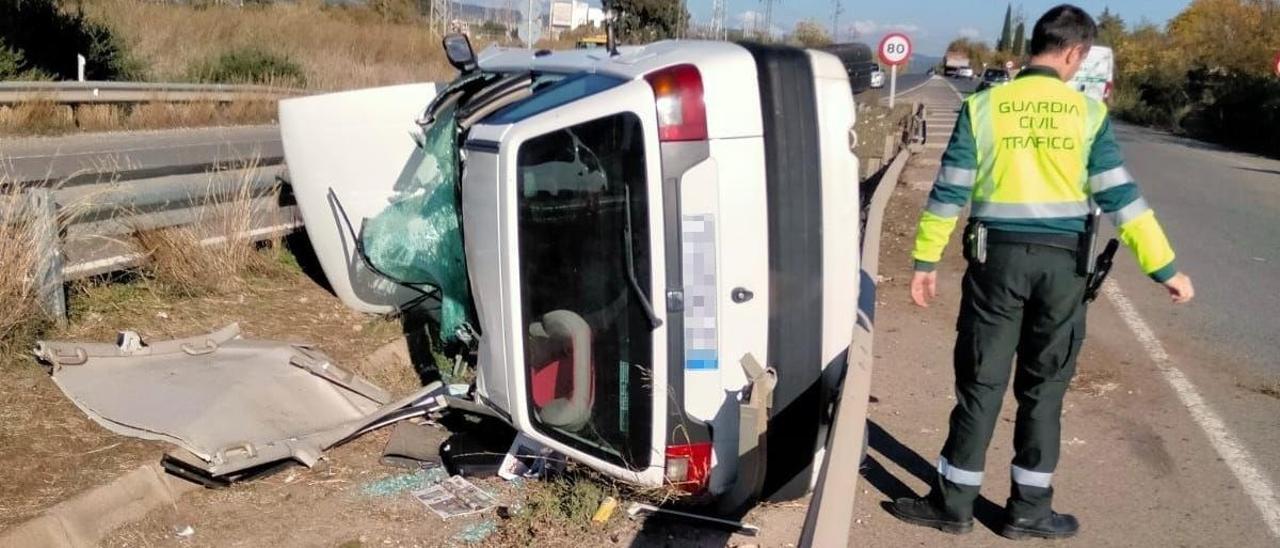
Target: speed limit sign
895, 49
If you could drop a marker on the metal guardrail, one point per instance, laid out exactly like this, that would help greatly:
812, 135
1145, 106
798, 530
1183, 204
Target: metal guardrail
89, 229
831, 507
74, 93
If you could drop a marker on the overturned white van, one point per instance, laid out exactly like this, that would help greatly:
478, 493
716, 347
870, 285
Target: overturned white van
661, 244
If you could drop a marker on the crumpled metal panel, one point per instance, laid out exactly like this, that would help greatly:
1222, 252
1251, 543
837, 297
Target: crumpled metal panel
231, 402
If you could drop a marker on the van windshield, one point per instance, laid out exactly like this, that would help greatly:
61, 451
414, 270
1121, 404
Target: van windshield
588, 342
566, 90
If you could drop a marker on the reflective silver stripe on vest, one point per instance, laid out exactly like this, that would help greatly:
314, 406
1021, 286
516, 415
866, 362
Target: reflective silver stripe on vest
958, 475
943, 209
957, 176
1129, 212
1110, 179
1022, 476
1048, 210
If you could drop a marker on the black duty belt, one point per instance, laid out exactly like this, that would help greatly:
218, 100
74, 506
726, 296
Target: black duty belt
1069, 242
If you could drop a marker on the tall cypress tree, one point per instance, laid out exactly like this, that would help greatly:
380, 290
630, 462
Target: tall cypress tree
1005, 38
1019, 39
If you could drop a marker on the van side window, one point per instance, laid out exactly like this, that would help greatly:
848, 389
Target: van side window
588, 344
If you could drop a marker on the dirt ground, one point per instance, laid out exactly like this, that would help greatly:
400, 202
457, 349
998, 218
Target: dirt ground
49, 450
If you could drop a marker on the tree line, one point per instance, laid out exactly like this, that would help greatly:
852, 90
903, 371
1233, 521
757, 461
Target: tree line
1208, 73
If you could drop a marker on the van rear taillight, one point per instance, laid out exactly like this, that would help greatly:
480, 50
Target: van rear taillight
682, 114
689, 466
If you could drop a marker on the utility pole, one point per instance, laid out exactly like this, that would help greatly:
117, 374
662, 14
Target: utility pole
718, 29
529, 40
768, 19
764, 33
835, 22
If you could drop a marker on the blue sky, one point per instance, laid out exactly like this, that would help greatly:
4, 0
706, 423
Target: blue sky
931, 24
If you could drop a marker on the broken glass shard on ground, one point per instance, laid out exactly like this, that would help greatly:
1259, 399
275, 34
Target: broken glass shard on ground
409, 481
454, 497
416, 239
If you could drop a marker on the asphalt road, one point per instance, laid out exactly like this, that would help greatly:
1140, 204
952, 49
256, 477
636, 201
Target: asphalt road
86, 158
1138, 467
1222, 213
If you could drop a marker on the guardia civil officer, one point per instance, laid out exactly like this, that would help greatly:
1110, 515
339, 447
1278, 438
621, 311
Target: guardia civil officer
1033, 156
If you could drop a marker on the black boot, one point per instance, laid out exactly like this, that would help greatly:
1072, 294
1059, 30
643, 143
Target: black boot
923, 512
1053, 526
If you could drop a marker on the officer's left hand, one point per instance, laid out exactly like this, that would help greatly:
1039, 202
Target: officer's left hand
924, 286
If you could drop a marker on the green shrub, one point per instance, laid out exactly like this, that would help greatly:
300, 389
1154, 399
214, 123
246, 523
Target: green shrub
252, 65
1235, 109
11, 62
49, 38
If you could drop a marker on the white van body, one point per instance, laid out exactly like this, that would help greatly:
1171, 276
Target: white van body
1096, 77
741, 233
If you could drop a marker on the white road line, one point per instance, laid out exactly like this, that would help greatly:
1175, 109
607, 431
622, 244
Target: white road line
1229, 447
954, 90
915, 87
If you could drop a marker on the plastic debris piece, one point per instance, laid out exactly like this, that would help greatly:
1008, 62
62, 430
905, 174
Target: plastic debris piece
475, 454
412, 446
476, 532
605, 511
186, 532
639, 510
408, 481
454, 497
528, 458
509, 512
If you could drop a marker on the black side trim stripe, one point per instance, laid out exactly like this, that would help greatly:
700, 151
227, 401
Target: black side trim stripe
793, 190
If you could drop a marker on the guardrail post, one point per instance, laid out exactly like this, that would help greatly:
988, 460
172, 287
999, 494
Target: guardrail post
48, 274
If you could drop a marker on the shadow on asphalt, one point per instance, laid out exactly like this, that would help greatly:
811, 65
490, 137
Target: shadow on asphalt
1264, 171
985, 511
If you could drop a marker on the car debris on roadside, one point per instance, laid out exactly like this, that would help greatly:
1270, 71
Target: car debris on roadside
235, 408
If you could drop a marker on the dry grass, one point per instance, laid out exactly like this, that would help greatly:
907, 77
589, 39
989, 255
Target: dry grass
46, 118
99, 118
338, 48
21, 318
40, 117
217, 252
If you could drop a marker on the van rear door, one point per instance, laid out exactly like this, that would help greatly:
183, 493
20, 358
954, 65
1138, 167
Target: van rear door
569, 261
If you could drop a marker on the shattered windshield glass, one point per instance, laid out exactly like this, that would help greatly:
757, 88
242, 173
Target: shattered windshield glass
417, 238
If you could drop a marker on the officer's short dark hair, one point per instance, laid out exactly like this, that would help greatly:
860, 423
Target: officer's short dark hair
1062, 27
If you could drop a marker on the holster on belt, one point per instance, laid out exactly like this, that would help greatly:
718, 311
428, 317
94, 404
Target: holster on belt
975, 242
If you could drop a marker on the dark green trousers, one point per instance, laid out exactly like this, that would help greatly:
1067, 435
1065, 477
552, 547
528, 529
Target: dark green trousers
1024, 301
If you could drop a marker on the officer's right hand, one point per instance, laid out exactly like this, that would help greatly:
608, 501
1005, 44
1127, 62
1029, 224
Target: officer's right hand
924, 286
1179, 286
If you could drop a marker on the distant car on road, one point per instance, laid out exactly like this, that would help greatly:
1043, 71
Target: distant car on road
877, 77
993, 77
964, 72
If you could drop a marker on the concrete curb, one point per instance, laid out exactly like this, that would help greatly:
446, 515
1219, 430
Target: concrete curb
82, 521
